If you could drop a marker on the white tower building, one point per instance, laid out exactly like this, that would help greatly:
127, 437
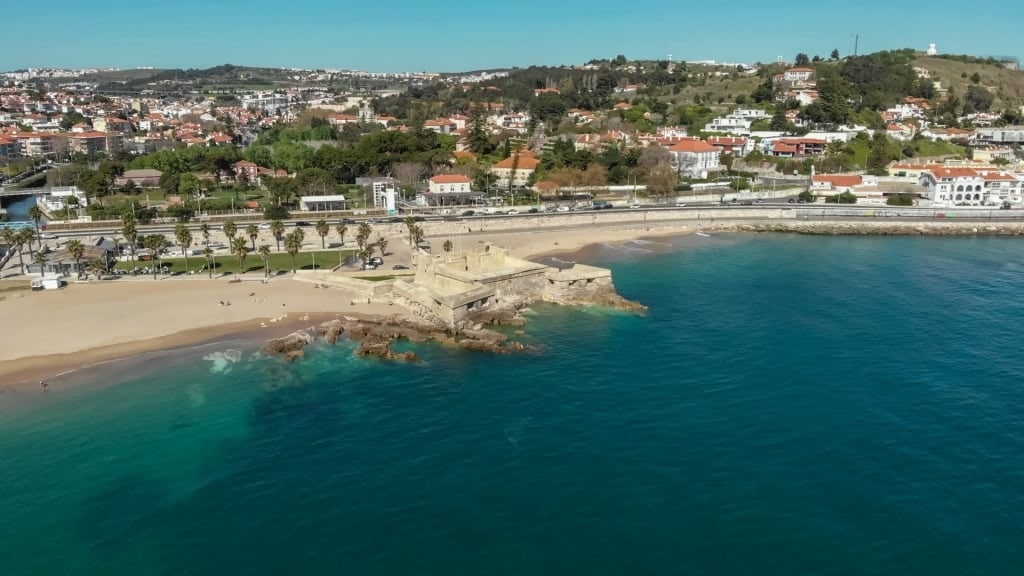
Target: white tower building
932, 51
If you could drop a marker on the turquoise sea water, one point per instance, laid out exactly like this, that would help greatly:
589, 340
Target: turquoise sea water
791, 405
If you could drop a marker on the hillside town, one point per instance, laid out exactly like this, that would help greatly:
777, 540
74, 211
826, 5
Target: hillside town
478, 140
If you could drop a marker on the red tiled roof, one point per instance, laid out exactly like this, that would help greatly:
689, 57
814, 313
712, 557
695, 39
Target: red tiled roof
526, 162
694, 146
450, 179
839, 180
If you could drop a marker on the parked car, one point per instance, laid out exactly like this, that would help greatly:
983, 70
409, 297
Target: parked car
399, 267
512, 212
562, 209
376, 261
533, 210
791, 201
469, 213
602, 205
369, 266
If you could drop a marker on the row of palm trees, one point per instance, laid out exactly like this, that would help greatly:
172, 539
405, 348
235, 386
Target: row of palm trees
17, 240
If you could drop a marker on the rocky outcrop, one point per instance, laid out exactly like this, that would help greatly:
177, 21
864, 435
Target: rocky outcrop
611, 300
289, 347
376, 335
497, 316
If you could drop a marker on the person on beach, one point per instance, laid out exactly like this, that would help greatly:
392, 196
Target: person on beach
43, 385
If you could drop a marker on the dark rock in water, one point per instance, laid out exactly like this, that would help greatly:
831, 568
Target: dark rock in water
497, 316
290, 347
380, 347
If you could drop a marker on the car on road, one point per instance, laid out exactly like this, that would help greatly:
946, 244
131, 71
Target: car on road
347, 221
680, 204
602, 205
634, 205
791, 201
469, 213
395, 220
301, 223
369, 266
48, 236
512, 212
419, 219
562, 209
376, 261
533, 210
452, 218
265, 226
746, 203
399, 267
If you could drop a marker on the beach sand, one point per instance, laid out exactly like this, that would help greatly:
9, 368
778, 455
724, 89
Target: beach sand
50, 332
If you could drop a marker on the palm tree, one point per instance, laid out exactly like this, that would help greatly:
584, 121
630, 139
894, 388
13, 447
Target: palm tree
417, 234
210, 261
240, 248
447, 245
277, 229
9, 236
77, 250
253, 232
35, 213
155, 243
293, 243
382, 244
184, 237
410, 223
204, 229
341, 229
323, 230
40, 259
230, 230
131, 235
265, 254
98, 267
23, 237
363, 235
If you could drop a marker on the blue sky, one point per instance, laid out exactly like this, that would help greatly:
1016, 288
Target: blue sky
454, 35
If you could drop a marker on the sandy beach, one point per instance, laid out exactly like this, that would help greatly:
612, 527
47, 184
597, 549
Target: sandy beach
49, 332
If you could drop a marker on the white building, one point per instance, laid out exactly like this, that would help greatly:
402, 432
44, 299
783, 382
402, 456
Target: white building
450, 184
321, 203
266, 101
932, 50
695, 158
58, 198
381, 189
728, 125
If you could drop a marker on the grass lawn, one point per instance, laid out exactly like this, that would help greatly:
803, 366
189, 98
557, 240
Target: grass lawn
225, 264
376, 278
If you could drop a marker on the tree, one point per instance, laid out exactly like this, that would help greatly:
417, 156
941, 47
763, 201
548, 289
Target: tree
479, 140
900, 199
977, 99
98, 268
35, 213
418, 235
277, 229
155, 243
447, 245
230, 230
264, 252
834, 55
293, 243
410, 223
323, 229
204, 229
779, 120
382, 245
807, 196
240, 249
341, 230
363, 235
802, 60
878, 156
184, 237
40, 259
975, 78
662, 181
211, 263
77, 250
23, 237
131, 235
253, 232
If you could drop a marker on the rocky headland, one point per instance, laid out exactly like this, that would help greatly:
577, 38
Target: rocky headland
877, 228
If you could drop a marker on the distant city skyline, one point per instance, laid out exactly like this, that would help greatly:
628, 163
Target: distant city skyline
408, 36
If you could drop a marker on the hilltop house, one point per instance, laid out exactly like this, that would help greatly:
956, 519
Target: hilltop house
694, 158
515, 170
